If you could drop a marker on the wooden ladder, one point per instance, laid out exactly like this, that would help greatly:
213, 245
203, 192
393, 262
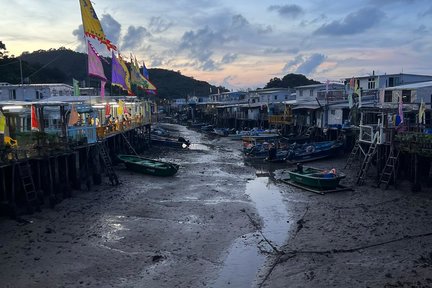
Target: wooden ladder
354, 154
366, 162
389, 173
27, 182
129, 145
109, 170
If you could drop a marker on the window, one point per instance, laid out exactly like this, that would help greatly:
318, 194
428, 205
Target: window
310, 92
406, 96
275, 97
12, 94
371, 83
301, 93
388, 96
333, 112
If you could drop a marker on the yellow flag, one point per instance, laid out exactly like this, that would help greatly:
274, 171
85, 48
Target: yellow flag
2, 123
92, 26
127, 76
120, 107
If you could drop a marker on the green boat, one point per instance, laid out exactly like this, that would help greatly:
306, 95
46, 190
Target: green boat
148, 166
315, 177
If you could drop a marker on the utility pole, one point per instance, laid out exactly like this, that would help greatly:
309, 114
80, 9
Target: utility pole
21, 72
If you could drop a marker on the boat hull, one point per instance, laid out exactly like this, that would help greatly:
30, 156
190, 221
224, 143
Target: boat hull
317, 178
148, 166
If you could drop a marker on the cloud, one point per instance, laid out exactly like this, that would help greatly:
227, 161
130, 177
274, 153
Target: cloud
288, 11
111, 28
276, 50
134, 37
79, 34
387, 2
304, 65
198, 44
427, 12
422, 30
354, 23
159, 25
229, 58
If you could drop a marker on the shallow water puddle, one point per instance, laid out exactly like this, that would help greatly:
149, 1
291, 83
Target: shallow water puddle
245, 257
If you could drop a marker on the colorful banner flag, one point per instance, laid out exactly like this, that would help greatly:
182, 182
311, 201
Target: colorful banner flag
107, 110
76, 87
120, 107
145, 72
127, 74
95, 67
73, 117
2, 123
91, 25
422, 113
118, 74
102, 92
34, 119
137, 78
400, 110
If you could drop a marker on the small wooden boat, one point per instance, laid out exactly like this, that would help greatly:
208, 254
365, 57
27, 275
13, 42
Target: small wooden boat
315, 177
180, 142
148, 166
313, 151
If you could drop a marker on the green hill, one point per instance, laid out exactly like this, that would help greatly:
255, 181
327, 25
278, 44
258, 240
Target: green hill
62, 65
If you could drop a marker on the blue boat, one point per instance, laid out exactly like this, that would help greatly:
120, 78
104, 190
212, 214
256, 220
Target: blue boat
313, 151
303, 152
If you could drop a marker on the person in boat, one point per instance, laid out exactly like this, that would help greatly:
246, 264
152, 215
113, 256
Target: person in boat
329, 174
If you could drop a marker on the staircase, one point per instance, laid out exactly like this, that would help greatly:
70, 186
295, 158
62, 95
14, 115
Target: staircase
129, 145
27, 182
389, 173
109, 170
366, 162
354, 154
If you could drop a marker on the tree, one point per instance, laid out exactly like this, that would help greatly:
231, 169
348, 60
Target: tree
290, 81
2, 47
274, 83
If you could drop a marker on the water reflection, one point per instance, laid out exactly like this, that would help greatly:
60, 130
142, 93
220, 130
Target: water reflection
245, 256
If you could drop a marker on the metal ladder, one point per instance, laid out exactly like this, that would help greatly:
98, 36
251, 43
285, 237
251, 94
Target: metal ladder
389, 173
27, 182
109, 170
365, 165
129, 145
354, 154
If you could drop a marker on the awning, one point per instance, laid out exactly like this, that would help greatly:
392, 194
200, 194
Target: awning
308, 107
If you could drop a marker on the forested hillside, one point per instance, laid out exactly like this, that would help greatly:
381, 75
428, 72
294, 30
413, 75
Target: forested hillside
62, 65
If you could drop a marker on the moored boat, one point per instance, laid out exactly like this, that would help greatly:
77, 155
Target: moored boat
315, 177
148, 166
313, 151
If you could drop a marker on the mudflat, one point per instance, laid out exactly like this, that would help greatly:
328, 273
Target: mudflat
221, 222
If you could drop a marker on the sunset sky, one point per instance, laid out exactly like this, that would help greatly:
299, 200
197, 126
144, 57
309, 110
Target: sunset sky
239, 44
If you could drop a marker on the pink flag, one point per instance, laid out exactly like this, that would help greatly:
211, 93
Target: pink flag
95, 67
102, 92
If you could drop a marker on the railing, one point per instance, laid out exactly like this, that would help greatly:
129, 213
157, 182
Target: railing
366, 134
87, 134
280, 119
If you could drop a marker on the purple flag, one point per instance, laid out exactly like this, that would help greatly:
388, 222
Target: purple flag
95, 67
118, 74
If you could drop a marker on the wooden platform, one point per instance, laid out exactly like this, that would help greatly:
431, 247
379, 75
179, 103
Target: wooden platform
340, 188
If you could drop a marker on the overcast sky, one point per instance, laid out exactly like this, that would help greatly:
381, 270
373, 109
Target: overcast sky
239, 44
